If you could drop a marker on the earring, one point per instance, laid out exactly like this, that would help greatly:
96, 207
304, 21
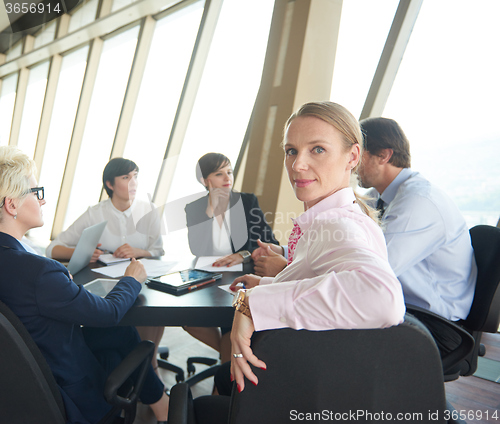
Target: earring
15, 216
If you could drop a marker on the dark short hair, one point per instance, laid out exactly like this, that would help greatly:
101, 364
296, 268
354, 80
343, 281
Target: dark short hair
116, 168
209, 163
384, 133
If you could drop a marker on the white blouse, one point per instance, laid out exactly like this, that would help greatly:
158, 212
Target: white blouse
139, 226
221, 235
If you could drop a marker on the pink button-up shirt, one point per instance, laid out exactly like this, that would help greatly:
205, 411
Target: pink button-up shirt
339, 278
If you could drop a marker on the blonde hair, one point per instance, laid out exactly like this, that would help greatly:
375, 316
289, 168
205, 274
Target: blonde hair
16, 168
344, 122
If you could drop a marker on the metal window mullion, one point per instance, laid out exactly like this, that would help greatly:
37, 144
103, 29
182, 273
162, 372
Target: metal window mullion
192, 82
48, 107
392, 55
22, 87
62, 25
77, 135
104, 8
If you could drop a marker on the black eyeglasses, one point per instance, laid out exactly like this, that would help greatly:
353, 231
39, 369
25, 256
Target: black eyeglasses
40, 192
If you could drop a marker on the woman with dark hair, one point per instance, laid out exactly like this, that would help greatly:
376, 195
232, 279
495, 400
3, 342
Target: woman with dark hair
223, 223
122, 236
122, 211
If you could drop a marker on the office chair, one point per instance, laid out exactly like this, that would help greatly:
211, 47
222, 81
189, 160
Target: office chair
193, 378
29, 393
393, 371
484, 315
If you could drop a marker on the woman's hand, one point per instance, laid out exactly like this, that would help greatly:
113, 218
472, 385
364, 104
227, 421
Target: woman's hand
136, 270
127, 251
218, 200
241, 334
97, 252
262, 250
229, 260
249, 280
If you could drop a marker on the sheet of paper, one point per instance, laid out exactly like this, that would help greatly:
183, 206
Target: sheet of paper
108, 258
205, 263
154, 268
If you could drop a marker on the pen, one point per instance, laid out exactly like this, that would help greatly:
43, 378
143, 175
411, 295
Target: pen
201, 284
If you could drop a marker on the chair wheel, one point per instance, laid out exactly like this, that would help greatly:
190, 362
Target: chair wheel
163, 352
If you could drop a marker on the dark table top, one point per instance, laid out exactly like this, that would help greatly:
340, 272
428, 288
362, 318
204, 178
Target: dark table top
205, 307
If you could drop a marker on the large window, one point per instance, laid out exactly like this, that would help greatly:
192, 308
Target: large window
161, 87
84, 15
7, 102
445, 97
33, 104
228, 89
107, 99
59, 136
364, 27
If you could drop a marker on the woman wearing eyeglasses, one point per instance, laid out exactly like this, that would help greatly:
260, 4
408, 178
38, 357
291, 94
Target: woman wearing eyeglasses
53, 308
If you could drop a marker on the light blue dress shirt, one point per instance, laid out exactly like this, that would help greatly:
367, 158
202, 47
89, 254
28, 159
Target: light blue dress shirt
429, 246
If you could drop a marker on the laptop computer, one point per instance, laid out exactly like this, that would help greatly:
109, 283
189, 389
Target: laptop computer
85, 247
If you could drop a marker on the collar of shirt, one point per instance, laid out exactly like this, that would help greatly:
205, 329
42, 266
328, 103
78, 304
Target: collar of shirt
390, 192
126, 212
341, 198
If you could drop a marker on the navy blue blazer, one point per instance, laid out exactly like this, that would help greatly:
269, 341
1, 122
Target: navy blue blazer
53, 309
247, 225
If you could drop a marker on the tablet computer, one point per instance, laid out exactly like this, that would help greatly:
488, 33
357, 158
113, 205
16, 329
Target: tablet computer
182, 282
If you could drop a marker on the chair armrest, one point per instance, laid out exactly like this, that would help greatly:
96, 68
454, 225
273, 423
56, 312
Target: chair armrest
181, 408
136, 361
450, 359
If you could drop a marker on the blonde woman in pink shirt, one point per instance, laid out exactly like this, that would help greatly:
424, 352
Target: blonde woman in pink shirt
338, 275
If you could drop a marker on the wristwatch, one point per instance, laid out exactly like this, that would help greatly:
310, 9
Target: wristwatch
246, 255
240, 303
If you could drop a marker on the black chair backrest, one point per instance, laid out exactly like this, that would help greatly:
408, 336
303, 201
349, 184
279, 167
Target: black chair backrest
344, 372
484, 314
28, 391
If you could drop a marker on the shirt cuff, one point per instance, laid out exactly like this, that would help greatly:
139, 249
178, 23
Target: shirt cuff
270, 306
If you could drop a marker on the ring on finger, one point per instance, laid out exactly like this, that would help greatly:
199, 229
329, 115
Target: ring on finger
237, 355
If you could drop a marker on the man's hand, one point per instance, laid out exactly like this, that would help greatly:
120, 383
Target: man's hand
136, 270
262, 250
269, 265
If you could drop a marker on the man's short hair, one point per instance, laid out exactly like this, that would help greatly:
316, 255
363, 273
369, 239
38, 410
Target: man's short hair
384, 133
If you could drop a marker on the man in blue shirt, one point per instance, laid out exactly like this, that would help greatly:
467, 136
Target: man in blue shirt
428, 241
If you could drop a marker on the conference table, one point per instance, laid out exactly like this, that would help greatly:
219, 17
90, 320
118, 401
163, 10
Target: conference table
208, 306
